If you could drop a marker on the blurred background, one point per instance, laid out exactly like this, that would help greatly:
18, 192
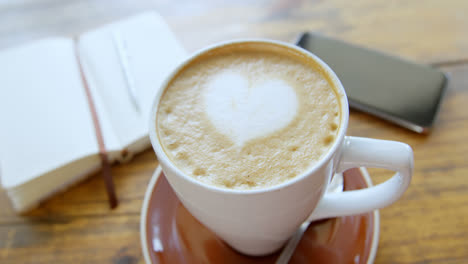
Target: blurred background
400, 27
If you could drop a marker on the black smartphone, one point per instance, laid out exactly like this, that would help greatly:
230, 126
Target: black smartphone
402, 92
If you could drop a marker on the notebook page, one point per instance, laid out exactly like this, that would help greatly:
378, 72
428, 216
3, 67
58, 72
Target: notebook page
44, 115
151, 51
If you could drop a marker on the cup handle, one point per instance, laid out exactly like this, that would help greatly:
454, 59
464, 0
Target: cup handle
368, 152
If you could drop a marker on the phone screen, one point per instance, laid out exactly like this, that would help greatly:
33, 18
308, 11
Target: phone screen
403, 92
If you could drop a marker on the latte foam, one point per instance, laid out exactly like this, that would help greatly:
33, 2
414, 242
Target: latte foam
244, 108
248, 116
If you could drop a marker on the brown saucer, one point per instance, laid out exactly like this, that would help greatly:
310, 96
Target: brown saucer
170, 234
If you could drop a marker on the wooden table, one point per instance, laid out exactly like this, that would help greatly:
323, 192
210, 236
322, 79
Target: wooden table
428, 225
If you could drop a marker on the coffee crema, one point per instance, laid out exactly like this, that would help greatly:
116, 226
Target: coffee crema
248, 116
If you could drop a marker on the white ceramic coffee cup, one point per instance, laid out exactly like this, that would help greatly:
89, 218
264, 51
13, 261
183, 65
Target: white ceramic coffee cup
259, 222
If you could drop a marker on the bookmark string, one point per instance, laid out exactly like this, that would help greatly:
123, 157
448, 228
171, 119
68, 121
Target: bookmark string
106, 169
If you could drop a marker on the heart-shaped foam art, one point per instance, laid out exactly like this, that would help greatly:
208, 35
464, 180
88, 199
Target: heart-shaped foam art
245, 111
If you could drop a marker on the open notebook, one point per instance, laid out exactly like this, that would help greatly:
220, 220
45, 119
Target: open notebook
47, 137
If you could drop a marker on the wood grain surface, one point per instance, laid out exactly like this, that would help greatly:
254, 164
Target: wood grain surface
428, 225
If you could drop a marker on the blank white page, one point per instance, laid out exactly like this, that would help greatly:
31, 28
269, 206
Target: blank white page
152, 51
45, 121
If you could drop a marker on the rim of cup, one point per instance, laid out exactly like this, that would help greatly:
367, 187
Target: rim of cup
336, 83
